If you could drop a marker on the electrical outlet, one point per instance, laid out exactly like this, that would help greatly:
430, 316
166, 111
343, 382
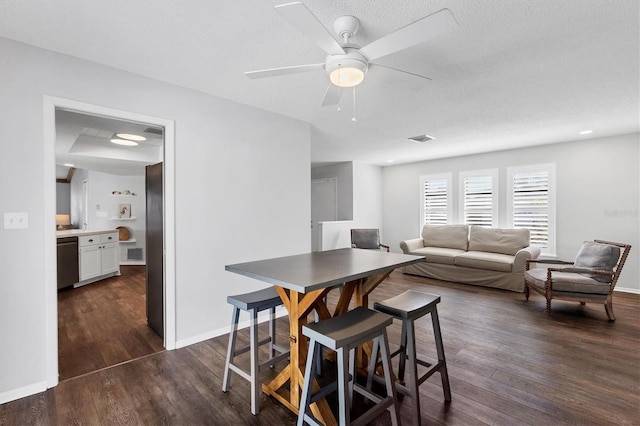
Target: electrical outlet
18, 220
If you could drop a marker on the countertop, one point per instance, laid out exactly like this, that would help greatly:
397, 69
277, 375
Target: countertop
81, 232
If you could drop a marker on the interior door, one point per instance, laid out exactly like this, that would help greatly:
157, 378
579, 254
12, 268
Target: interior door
324, 207
155, 248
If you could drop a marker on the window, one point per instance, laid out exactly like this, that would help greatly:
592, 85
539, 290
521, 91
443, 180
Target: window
436, 199
531, 203
479, 198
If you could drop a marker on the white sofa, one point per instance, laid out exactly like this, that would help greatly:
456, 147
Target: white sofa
491, 257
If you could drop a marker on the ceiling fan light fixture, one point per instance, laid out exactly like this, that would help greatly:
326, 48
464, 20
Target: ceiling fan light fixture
124, 142
131, 137
346, 70
346, 76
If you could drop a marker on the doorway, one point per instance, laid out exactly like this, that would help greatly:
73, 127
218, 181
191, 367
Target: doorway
324, 207
50, 105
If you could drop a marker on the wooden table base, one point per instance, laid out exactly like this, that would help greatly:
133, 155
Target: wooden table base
299, 306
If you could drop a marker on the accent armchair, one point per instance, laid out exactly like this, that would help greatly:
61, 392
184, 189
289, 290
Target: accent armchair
367, 239
591, 277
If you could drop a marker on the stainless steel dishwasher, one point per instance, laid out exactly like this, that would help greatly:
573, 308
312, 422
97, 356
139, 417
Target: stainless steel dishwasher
68, 271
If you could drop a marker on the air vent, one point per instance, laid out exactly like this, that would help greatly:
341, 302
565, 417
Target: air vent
153, 131
421, 138
134, 254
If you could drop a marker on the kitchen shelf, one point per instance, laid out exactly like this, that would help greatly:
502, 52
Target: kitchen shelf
123, 218
129, 241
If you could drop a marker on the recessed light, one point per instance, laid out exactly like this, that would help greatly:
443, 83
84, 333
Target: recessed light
123, 142
586, 132
69, 165
389, 161
131, 137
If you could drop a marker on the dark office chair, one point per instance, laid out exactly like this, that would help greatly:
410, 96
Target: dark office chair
367, 239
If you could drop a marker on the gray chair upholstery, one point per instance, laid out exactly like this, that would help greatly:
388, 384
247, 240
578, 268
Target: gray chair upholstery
591, 277
367, 239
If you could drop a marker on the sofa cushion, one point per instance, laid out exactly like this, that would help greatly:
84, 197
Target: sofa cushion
485, 260
597, 256
446, 236
566, 282
438, 254
497, 240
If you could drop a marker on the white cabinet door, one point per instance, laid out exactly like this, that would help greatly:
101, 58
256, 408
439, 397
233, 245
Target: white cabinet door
110, 258
90, 262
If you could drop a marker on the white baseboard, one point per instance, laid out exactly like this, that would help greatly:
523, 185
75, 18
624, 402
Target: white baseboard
28, 390
627, 290
280, 312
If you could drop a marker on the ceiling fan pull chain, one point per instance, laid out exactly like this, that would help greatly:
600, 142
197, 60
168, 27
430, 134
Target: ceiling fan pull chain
354, 104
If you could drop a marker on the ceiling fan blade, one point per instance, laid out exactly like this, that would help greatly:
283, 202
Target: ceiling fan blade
332, 95
284, 71
404, 79
306, 22
431, 26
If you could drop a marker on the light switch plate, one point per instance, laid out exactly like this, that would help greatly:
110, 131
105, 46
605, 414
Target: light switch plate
19, 220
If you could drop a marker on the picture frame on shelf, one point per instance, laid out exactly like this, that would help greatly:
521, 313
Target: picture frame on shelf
124, 211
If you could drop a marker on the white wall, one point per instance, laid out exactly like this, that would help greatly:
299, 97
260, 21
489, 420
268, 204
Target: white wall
232, 205
597, 193
103, 206
367, 197
63, 198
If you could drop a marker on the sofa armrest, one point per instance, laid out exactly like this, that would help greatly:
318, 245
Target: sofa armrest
522, 256
408, 246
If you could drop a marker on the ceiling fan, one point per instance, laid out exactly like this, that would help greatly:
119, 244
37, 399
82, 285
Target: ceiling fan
346, 63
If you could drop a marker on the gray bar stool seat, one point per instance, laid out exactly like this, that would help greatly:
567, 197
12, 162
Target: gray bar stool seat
253, 303
343, 334
408, 307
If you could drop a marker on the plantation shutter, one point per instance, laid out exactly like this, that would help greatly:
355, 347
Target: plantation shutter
531, 204
436, 201
478, 200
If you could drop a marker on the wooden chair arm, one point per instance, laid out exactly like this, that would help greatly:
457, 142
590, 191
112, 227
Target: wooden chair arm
385, 246
548, 261
551, 261
582, 271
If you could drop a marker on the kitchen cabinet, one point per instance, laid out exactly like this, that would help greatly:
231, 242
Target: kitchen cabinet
98, 255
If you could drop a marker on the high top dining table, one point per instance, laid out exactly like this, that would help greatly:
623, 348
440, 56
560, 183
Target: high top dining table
303, 281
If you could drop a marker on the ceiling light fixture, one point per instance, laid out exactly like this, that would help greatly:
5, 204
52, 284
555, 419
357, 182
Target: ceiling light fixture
124, 142
586, 132
131, 137
347, 70
69, 165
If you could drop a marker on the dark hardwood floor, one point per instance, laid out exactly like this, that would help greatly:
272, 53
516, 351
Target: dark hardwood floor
104, 323
509, 364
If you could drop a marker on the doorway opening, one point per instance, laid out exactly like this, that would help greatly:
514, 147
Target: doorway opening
324, 207
130, 273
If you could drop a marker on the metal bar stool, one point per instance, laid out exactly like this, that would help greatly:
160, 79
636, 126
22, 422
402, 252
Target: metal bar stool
253, 303
408, 307
343, 334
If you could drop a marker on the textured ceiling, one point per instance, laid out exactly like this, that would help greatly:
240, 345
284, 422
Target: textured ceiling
515, 73
85, 141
